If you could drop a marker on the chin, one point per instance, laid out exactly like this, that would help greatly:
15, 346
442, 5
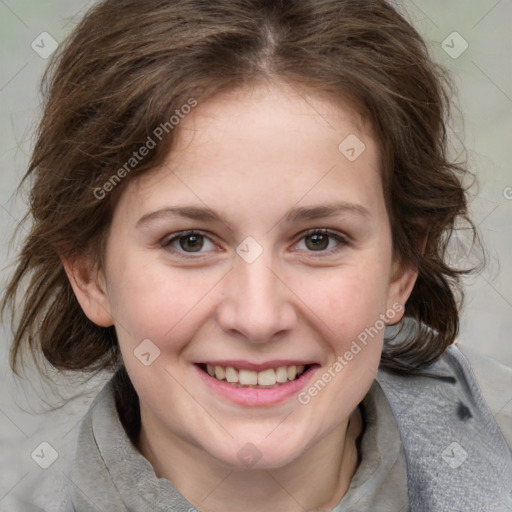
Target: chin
261, 454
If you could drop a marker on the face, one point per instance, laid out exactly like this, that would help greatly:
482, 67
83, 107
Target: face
260, 252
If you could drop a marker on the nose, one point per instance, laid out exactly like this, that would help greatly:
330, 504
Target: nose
257, 304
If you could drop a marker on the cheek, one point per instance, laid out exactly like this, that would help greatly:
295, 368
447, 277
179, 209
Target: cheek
151, 301
350, 305
348, 300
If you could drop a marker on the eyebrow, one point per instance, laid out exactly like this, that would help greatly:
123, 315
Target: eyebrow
296, 214
327, 210
189, 212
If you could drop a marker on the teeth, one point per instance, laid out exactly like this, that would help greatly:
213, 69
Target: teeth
247, 377
281, 374
220, 373
231, 374
269, 377
292, 372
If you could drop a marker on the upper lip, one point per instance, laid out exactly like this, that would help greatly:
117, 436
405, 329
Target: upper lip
258, 367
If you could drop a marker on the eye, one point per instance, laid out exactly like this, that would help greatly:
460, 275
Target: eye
322, 240
188, 242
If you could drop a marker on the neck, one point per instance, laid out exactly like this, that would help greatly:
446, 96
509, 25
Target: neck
324, 470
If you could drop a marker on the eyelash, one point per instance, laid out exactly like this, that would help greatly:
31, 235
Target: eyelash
342, 241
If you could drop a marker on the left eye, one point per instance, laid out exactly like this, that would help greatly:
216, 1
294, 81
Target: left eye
322, 240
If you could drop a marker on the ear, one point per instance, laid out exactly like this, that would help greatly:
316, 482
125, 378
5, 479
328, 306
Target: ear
89, 286
400, 289
401, 285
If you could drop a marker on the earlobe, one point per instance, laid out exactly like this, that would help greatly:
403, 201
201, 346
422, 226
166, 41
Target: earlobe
89, 288
401, 286
402, 283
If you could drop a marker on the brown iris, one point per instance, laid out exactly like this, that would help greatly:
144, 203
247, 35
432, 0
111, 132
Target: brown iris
317, 242
192, 243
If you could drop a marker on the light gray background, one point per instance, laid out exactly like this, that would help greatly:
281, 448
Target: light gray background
483, 74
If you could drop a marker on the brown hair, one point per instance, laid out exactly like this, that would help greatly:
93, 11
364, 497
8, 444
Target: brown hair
130, 65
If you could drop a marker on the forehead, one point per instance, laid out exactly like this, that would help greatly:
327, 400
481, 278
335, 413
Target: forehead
266, 144
287, 113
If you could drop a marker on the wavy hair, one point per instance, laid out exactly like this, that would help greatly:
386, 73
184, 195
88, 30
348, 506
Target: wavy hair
130, 65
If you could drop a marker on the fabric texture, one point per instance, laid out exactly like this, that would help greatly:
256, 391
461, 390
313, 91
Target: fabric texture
431, 443
457, 456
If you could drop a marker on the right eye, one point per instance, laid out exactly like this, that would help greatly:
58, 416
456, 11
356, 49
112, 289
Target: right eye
187, 242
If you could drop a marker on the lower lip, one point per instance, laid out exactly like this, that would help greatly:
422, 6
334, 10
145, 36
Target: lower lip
254, 397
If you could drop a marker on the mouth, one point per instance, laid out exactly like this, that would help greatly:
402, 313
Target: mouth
268, 378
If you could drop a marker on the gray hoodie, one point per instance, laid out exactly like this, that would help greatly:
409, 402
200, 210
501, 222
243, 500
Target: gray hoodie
440, 443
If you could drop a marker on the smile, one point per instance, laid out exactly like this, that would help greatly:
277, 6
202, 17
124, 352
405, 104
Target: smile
256, 385
266, 379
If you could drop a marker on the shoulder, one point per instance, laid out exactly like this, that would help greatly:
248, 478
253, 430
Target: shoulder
455, 423
495, 382
459, 376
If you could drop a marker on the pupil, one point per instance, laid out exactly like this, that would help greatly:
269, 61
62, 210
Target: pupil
318, 242
191, 243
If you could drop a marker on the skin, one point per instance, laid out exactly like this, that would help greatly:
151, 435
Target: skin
251, 155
